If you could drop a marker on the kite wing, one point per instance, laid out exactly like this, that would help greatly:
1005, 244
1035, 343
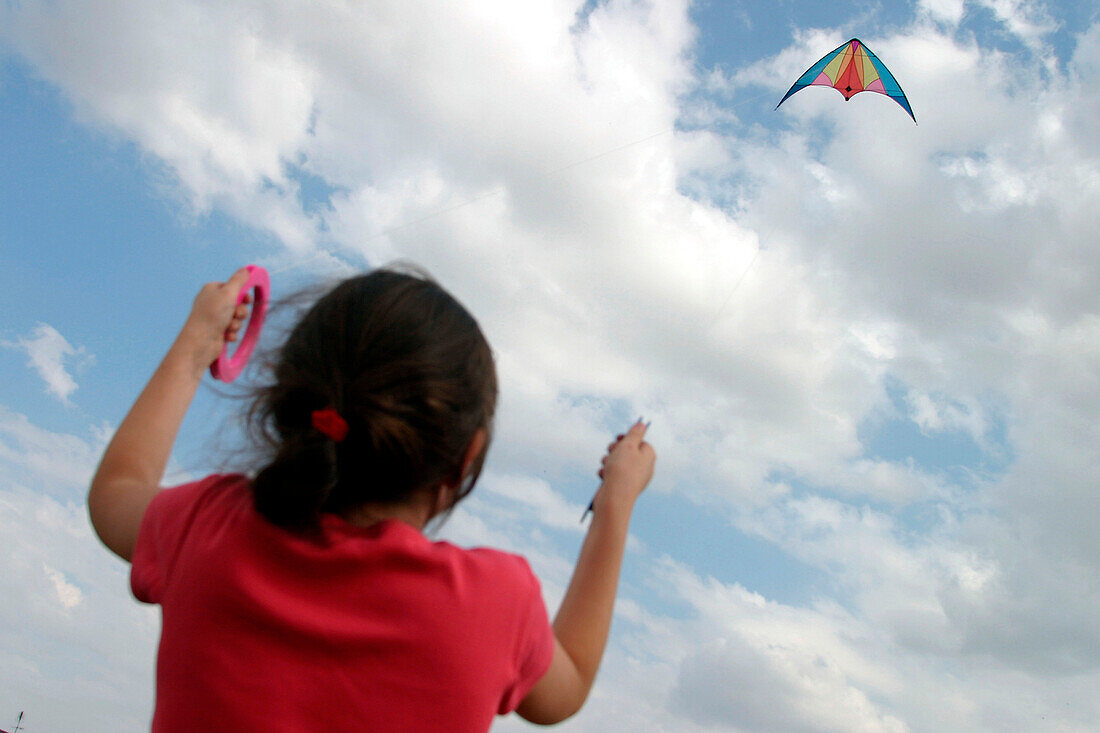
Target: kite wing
851, 68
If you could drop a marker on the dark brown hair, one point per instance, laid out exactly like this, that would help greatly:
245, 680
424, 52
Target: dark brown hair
409, 370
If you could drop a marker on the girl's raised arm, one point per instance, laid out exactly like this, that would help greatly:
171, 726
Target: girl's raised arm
130, 472
584, 619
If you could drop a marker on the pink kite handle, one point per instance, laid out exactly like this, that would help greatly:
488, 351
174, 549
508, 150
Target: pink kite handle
228, 368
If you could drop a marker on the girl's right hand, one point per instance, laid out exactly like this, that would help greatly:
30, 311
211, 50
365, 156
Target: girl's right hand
628, 466
215, 319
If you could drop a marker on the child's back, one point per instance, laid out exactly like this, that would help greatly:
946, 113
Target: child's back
357, 627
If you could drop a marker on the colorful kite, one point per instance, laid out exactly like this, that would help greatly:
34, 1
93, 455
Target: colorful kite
850, 69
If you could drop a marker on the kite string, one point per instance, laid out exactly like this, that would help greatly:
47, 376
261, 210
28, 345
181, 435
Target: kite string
736, 285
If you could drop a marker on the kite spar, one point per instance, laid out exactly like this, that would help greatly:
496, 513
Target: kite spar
851, 68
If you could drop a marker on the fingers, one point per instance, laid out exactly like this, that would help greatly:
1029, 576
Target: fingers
636, 433
232, 331
238, 279
242, 310
231, 289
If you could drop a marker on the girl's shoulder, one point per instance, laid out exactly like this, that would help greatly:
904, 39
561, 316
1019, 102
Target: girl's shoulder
214, 485
507, 571
173, 516
177, 502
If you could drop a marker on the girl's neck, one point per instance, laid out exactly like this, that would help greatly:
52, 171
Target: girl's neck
415, 513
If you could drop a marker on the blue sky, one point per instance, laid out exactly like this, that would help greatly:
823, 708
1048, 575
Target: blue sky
869, 348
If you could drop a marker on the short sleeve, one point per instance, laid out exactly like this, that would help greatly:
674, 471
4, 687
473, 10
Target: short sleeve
535, 648
163, 529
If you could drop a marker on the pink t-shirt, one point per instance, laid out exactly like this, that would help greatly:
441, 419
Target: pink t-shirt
373, 628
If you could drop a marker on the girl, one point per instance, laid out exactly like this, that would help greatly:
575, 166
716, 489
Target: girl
308, 598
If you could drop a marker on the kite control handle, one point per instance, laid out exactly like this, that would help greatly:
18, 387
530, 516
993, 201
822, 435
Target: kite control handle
226, 367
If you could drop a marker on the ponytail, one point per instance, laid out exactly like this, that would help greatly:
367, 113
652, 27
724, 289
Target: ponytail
405, 371
292, 490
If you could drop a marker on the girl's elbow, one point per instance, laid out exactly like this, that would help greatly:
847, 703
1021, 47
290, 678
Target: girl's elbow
550, 717
116, 510
105, 529
95, 508
551, 710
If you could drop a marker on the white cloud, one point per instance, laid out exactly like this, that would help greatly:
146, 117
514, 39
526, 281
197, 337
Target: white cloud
54, 463
77, 650
67, 594
945, 11
936, 414
48, 351
225, 116
544, 504
773, 688
1027, 19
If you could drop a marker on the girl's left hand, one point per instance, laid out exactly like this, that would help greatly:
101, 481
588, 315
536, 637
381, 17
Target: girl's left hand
215, 319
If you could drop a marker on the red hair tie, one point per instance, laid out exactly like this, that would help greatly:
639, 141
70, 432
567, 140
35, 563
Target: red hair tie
329, 422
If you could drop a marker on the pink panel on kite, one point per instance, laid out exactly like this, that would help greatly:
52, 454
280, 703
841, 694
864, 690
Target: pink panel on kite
822, 80
876, 86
